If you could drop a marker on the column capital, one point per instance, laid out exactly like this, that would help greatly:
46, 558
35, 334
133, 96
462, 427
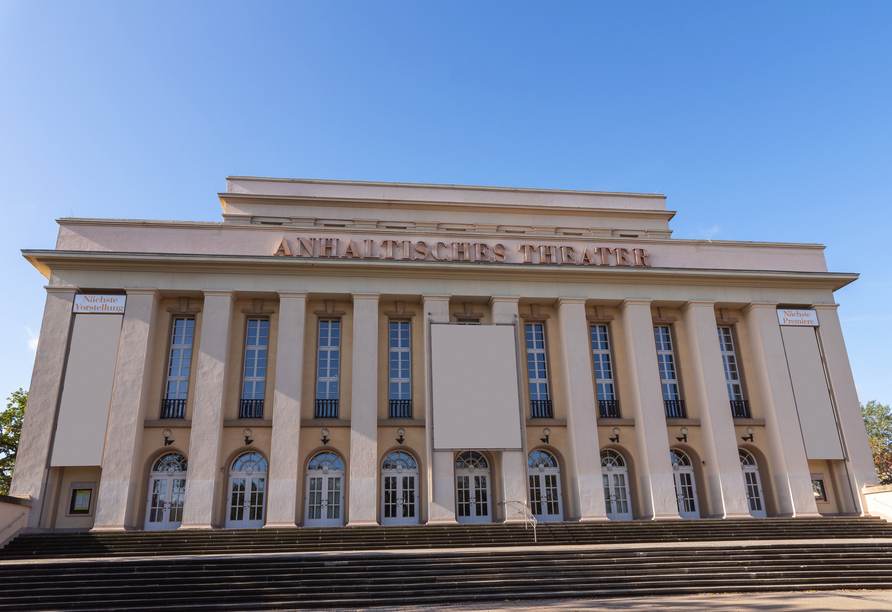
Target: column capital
135, 291
635, 302
696, 303
366, 296
563, 300
219, 293
505, 299
756, 305
292, 294
61, 290
824, 306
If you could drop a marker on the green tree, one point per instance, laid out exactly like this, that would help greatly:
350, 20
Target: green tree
10, 430
878, 421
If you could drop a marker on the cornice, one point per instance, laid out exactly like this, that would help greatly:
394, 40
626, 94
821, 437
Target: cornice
48, 260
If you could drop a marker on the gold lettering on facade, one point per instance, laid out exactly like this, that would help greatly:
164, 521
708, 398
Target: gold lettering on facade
588, 258
351, 250
408, 250
387, 245
463, 249
436, 254
421, 249
283, 249
306, 244
622, 257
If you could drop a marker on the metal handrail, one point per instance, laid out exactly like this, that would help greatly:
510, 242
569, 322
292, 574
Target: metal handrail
528, 517
14, 521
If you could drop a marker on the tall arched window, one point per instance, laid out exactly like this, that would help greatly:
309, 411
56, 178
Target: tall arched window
545, 486
615, 475
685, 486
399, 482
325, 485
167, 492
753, 484
472, 488
247, 491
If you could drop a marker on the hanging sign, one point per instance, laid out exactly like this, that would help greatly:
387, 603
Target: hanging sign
794, 317
99, 304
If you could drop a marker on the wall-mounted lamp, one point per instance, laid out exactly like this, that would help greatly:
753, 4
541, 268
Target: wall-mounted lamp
750, 431
684, 435
325, 439
247, 433
402, 433
547, 433
167, 440
615, 438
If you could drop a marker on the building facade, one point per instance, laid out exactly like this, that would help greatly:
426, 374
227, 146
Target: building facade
341, 353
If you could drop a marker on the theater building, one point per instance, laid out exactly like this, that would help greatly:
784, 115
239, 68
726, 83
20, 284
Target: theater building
344, 353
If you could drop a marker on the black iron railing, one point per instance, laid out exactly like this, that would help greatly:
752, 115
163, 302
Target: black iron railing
251, 409
173, 408
740, 409
400, 409
541, 409
608, 409
326, 409
675, 409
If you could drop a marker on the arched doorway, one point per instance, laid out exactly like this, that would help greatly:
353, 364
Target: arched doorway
545, 486
685, 487
247, 491
753, 484
472, 488
399, 482
616, 486
167, 492
325, 485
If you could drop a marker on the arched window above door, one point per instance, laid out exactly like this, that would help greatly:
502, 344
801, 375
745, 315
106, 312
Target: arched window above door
171, 462
541, 458
326, 460
397, 460
470, 460
611, 459
253, 461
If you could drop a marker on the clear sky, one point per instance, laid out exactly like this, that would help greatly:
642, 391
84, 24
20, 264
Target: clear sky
766, 121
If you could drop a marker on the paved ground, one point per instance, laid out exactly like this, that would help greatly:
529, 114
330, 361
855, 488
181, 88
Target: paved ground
810, 601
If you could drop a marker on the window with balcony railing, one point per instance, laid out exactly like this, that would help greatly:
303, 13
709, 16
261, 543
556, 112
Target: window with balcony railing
537, 372
608, 406
328, 367
254, 379
672, 401
176, 390
400, 370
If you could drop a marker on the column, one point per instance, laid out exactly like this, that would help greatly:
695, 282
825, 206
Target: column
284, 461
121, 468
859, 464
792, 479
654, 464
586, 486
36, 440
514, 463
364, 469
726, 486
441, 471
205, 446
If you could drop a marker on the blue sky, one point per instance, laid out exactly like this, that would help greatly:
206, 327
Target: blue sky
766, 121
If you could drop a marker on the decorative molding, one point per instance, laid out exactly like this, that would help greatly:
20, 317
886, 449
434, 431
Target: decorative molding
183, 308
324, 423
534, 314
167, 423
724, 319
400, 422
248, 423
663, 318
599, 316
468, 315
330, 311
258, 310
400, 312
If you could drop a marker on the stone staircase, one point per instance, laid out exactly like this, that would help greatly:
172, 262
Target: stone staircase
347, 567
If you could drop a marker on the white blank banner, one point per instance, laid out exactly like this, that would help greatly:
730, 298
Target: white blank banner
812, 396
86, 395
474, 378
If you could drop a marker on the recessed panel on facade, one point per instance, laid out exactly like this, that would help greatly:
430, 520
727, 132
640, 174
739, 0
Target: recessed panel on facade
475, 395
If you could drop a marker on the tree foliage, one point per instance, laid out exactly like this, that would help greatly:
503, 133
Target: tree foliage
10, 430
878, 421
